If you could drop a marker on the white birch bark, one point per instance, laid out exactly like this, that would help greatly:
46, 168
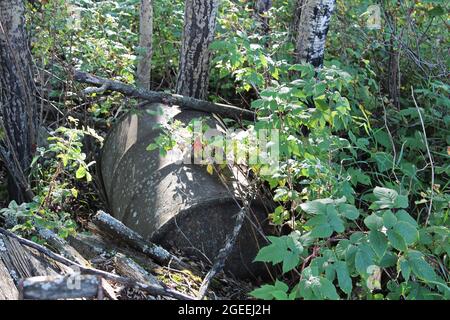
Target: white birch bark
312, 30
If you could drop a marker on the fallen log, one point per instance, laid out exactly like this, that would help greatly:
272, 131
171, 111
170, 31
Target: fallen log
62, 247
8, 290
184, 102
22, 262
117, 230
61, 287
129, 268
152, 289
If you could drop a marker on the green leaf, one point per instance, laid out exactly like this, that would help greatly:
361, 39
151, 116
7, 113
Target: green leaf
402, 215
422, 269
344, 280
314, 207
363, 260
322, 231
290, 261
389, 219
152, 146
401, 202
407, 231
268, 292
373, 222
396, 240
334, 220
327, 289
349, 211
274, 252
386, 197
378, 242
403, 266
81, 172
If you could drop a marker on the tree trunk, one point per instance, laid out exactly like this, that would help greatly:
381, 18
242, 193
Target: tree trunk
261, 8
145, 44
312, 29
198, 33
18, 106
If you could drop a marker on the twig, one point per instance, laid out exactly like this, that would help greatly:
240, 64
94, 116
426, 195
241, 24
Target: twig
167, 98
223, 254
429, 156
150, 288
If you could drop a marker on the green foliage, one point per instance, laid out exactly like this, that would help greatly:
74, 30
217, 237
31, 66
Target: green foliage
54, 168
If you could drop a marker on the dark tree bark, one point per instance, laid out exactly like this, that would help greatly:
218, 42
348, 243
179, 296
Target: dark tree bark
261, 8
18, 119
145, 44
312, 28
198, 33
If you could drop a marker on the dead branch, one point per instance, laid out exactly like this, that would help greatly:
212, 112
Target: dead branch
223, 254
150, 288
60, 287
224, 110
129, 268
117, 230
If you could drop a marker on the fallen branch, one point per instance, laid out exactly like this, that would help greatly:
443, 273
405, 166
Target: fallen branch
219, 261
71, 286
117, 230
224, 110
150, 288
129, 268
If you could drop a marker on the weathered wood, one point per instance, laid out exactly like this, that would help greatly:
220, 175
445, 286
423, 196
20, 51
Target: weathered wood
8, 290
152, 289
117, 230
60, 287
129, 268
62, 247
93, 245
184, 102
22, 262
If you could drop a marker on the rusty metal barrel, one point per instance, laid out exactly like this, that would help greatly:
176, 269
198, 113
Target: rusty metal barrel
172, 203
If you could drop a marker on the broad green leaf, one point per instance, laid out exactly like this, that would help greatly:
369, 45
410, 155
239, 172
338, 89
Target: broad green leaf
274, 252
404, 268
402, 215
290, 261
396, 240
401, 202
363, 260
333, 219
407, 231
81, 172
373, 222
378, 242
327, 289
389, 219
344, 280
422, 269
322, 231
349, 211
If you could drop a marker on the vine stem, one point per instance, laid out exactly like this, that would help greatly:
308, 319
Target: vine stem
429, 156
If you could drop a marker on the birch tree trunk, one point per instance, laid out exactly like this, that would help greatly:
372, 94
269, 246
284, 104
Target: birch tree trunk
145, 44
18, 121
198, 33
312, 29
